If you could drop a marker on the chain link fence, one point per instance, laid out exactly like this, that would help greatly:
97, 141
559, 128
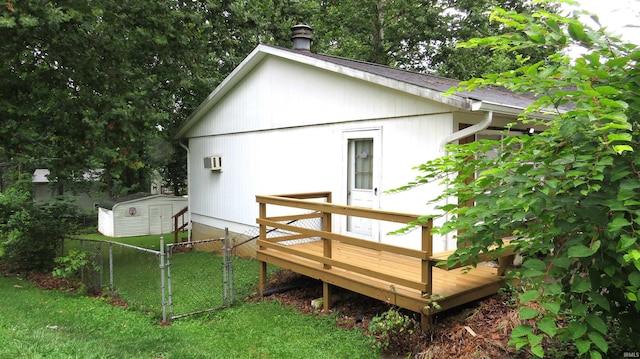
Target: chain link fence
198, 280
254, 233
130, 273
180, 279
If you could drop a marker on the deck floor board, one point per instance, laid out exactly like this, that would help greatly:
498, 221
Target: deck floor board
455, 285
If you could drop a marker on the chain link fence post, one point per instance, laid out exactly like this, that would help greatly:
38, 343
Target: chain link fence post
162, 288
111, 286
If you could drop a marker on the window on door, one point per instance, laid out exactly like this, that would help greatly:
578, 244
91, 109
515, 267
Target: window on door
363, 163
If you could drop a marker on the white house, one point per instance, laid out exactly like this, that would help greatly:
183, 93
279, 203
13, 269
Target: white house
139, 215
291, 121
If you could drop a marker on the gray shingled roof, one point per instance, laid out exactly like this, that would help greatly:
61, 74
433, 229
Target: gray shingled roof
495, 95
488, 98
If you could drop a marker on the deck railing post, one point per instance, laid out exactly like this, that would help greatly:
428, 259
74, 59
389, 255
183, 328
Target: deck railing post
175, 229
427, 274
326, 227
427, 247
263, 237
326, 287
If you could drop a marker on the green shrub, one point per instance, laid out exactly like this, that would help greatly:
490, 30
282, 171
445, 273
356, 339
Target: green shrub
31, 233
391, 331
70, 265
568, 194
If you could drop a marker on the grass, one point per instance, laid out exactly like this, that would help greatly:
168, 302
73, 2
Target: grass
53, 324
149, 242
196, 276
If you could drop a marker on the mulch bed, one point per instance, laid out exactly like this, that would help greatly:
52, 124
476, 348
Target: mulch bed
47, 281
477, 330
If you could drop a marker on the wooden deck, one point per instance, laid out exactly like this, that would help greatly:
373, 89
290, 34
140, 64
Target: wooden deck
399, 276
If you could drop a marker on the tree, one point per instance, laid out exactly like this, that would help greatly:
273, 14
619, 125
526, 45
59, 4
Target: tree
569, 194
103, 84
416, 35
95, 84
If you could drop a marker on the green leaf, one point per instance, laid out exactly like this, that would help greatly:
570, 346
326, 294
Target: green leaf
580, 285
577, 330
529, 296
528, 313
607, 90
609, 270
519, 342
531, 273
600, 300
596, 245
620, 149
552, 307
634, 279
553, 25
548, 326
537, 38
620, 137
599, 341
595, 354
537, 351
534, 264
596, 323
613, 103
576, 31
535, 339
579, 251
617, 224
582, 346
522, 330
561, 262
552, 288
625, 242
517, 216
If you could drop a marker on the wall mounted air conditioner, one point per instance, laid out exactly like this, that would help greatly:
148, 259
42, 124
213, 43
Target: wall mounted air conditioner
213, 163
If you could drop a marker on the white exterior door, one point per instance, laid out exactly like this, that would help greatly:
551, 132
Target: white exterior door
160, 221
362, 177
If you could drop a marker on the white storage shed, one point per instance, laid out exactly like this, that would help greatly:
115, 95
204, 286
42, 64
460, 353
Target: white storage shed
139, 215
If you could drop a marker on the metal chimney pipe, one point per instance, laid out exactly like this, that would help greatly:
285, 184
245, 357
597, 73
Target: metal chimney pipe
302, 35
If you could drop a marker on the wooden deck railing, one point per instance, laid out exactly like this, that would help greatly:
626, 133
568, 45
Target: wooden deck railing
179, 223
324, 209
371, 268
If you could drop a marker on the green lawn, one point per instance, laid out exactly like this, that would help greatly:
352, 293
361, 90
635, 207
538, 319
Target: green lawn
196, 276
52, 324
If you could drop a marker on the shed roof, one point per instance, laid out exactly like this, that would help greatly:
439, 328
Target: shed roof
428, 86
109, 204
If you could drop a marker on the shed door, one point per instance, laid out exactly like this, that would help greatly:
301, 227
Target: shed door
160, 221
363, 166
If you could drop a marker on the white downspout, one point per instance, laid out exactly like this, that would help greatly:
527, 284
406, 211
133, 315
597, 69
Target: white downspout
455, 136
188, 186
482, 125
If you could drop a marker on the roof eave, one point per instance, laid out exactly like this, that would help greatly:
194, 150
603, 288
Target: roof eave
223, 88
261, 51
513, 110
